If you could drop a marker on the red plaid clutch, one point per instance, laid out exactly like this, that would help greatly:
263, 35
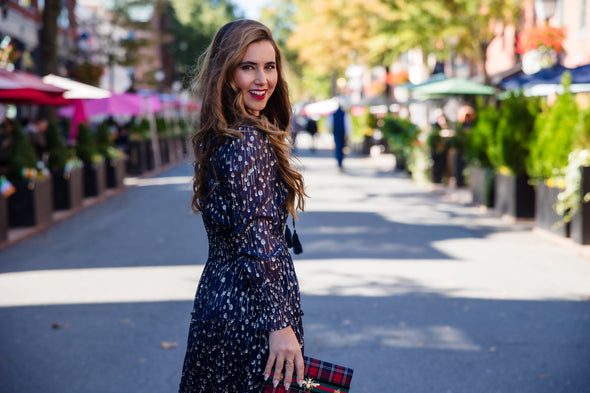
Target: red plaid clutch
319, 377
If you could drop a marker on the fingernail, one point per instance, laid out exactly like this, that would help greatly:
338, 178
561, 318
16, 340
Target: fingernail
275, 383
287, 386
266, 376
300, 383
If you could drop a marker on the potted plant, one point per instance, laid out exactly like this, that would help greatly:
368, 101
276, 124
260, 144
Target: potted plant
136, 149
480, 169
514, 195
31, 204
401, 134
550, 147
163, 140
184, 137
573, 202
94, 166
66, 171
144, 130
115, 158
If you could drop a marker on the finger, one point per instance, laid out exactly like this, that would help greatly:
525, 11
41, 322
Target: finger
279, 363
300, 368
269, 363
289, 367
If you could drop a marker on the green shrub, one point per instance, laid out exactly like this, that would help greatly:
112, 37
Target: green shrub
480, 136
553, 135
581, 137
401, 135
511, 141
85, 144
58, 150
103, 139
161, 127
21, 154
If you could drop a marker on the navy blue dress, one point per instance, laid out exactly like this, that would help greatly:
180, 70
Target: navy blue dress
248, 286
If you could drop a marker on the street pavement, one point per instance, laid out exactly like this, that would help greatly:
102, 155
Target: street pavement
415, 291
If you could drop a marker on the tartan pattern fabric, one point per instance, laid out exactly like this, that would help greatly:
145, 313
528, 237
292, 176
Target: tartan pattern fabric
319, 377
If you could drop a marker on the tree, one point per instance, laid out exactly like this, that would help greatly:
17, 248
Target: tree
331, 34
193, 25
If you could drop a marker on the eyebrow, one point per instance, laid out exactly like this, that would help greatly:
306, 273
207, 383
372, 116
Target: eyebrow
254, 63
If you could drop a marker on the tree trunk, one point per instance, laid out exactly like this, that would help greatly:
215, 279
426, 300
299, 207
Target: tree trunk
48, 37
48, 48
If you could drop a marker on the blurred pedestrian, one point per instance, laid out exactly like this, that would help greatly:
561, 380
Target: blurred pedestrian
246, 320
341, 129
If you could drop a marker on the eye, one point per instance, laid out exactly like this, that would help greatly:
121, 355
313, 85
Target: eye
271, 66
247, 67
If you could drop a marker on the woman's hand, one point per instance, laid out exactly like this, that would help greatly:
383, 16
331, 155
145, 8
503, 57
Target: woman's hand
284, 354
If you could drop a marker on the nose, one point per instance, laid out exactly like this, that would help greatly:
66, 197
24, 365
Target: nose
259, 78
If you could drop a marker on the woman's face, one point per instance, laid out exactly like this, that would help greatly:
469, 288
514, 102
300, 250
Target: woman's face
256, 76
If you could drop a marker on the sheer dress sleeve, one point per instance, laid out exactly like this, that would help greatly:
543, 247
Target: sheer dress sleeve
248, 171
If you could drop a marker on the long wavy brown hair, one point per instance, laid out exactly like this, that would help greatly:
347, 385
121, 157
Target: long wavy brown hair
223, 110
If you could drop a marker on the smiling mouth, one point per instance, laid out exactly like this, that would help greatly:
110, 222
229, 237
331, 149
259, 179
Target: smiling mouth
257, 94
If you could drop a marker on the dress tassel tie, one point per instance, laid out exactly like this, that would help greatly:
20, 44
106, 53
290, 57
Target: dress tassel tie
297, 249
293, 239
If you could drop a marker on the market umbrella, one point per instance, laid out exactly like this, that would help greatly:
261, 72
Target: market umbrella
32, 97
453, 86
75, 89
23, 88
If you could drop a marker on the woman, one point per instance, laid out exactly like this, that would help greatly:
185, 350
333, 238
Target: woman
246, 321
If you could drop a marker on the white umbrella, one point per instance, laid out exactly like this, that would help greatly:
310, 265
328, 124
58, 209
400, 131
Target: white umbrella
76, 90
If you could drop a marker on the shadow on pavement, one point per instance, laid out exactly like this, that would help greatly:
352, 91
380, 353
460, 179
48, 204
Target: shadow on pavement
410, 343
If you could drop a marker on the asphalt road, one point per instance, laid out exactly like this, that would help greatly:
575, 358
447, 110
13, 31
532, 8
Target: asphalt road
417, 293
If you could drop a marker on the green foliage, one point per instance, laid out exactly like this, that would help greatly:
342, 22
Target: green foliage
553, 136
193, 25
103, 139
511, 141
161, 128
85, 144
581, 137
21, 153
183, 127
401, 135
58, 150
139, 131
479, 138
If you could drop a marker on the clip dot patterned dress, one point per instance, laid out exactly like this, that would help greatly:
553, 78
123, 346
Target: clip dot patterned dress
248, 286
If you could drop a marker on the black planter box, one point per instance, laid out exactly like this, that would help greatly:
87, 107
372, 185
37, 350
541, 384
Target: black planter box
545, 215
580, 223
514, 196
164, 151
68, 189
149, 156
136, 158
94, 179
187, 146
31, 204
3, 219
115, 172
481, 184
